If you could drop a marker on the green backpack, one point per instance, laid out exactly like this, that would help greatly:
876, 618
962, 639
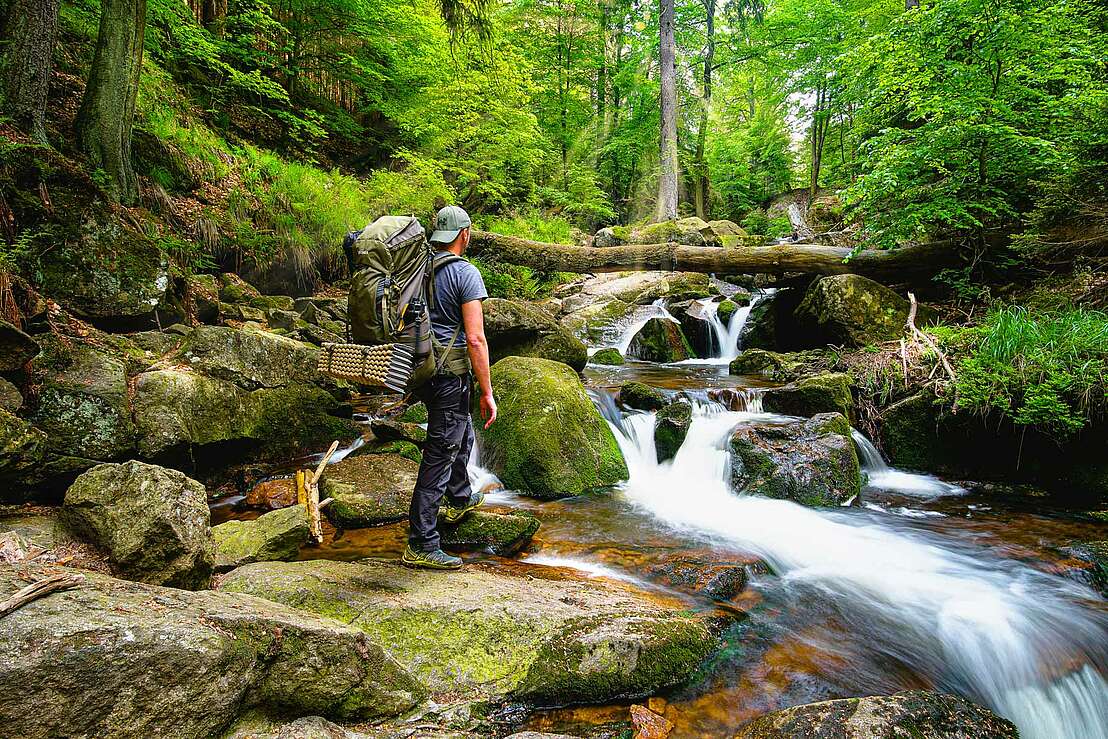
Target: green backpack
390, 327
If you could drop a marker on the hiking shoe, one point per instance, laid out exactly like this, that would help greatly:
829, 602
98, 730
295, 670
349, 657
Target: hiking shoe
436, 560
454, 514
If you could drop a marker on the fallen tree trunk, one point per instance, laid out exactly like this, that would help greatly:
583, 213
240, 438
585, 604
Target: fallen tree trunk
895, 265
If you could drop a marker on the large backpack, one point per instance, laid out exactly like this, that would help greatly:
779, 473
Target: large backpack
390, 340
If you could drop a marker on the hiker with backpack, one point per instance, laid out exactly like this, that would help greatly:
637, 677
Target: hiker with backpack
457, 323
416, 326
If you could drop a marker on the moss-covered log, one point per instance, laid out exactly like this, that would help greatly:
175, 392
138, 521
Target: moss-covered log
892, 265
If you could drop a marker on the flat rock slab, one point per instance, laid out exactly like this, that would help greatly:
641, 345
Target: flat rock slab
501, 636
120, 659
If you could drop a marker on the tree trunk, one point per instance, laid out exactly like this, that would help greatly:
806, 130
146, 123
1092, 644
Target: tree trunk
702, 183
602, 73
212, 14
895, 265
667, 184
820, 120
28, 63
108, 108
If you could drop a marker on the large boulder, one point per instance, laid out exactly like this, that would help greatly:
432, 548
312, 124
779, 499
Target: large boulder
852, 310
609, 357
771, 323
249, 359
84, 400
516, 328
22, 449
369, 489
660, 340
482, 633
641, 397
918, 714
779, 367
503, 534
828, 392
178, 411
118, 659
276, 535
811, 462
691, 231
549, 440
11, 400
16, 347
152, 522
671, 425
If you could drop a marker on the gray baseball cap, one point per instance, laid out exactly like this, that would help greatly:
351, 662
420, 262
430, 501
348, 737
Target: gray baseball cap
449, 221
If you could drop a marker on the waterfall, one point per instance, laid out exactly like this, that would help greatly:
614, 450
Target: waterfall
883, 477
638, 319
994, 630
725, 344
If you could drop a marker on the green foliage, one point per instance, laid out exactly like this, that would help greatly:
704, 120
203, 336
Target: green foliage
1045, 370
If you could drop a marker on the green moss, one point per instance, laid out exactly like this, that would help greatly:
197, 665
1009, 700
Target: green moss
549, 439
641, 397
670, 428
607, 356
415, 413
823, 393
500, 534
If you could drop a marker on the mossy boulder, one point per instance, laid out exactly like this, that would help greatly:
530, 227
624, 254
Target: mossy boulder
852, 310
497, 636
178, 411
828, 392
105, 269
660, 340
250, 359
84, 404
641, 397
387, 429
811, 462
670, 428
415, 413
152, 522
11, 400
772, 323
610, 236
918, 714
517, 328
728, 308
782, 367
610, 357
369, 489
727, 228
549, 440
503, 534
16, 347
22, 449
690, 231
910, 433
276, 535
113, 658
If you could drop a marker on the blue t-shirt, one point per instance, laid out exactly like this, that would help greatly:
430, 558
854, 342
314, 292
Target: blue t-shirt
455, 283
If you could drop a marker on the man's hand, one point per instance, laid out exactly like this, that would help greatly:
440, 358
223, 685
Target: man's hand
488, 409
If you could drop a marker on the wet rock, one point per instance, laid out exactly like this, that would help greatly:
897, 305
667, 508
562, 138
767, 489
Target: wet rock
113, 658
915, 713
273, 494
828, 392
695, 319
728, 307
388, 430
516, 328
414, 413
10, 398
670, 428
786, 367
549, 440
641, 397
249, 359
811, 462
16, 347
909, 432
660, 340
369, 489
708, 576
176, 411
83, 402
1094, 555
772, 324
501, 534
151, 521
609, 356
649, 725
276, 535
539, 735
22, 449
487, 634
852, 310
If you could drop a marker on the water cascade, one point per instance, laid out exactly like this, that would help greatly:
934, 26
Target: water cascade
883, 477
997, 631
639, 318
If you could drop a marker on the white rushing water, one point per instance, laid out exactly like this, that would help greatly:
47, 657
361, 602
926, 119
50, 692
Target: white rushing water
638, 319
883, 477
994, 630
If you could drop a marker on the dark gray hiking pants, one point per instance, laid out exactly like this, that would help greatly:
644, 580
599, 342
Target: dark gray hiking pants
445, 457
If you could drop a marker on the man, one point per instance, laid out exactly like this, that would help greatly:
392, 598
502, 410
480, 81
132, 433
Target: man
457, 323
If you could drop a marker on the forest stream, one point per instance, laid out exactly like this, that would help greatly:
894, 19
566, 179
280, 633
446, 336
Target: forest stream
928, 584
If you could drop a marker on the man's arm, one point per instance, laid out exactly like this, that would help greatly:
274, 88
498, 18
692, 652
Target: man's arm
473, 320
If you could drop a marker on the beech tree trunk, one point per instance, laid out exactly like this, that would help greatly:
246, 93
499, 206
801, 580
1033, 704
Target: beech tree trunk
667, 184
702, 183
895, 265
108, 109
28, 63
